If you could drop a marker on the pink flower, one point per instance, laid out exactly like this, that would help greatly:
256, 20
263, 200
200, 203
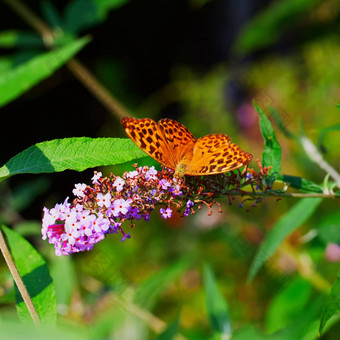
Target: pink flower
121, 206
132, 174
166, 213
332, 253
151, 174
101, 224
164, 184
70, 236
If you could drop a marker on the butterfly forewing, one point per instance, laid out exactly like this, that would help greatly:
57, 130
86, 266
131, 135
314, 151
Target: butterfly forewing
148, 136
214, 154
180, 140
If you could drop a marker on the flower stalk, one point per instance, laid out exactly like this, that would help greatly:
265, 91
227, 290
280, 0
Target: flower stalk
18, 280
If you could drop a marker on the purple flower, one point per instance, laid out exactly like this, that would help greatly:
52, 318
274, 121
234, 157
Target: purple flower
125, 236
164, 184
151, 174
95, 238
190, 204
146, 217
166, 213
176, 191
121, 206
115, 227
134, 213
101, 224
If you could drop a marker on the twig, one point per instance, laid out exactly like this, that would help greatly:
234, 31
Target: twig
285, 194
78, 69
34, 21
97, 89
18, 280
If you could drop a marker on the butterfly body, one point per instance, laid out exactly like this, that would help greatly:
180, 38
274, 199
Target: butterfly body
174, 146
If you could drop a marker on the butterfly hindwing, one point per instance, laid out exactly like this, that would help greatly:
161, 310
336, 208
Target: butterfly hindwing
214, 154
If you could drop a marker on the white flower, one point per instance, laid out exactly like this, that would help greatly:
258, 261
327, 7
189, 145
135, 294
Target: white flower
118, 184
96, 176
79, 190
104, 200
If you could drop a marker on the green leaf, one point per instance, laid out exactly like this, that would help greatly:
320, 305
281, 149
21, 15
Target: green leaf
34, 272
80, 15
72, 154
83, 14
170, 332
14, 329
332, 304
268, 26
299, 329
104, 6
251, 332
271, 155
148, 292
293, 219
14, 82
51, 14
282, 119
301, 184
10, 39
216, 305
328, 228
64, 278
26, 192
324, 132
288, 305
6, 63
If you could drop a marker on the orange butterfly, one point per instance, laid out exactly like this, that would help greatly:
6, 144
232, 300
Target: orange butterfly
174, 146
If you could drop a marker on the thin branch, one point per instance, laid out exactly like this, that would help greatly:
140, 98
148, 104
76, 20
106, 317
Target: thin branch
18, 280
32, 20
96, 88
285, 194
79, 70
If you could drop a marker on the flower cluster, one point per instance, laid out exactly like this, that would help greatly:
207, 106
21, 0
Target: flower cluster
102, 208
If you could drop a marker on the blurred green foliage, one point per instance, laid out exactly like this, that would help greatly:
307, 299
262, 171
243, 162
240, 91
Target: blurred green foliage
155, 284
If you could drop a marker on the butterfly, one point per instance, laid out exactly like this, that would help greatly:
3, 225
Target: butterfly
174, 146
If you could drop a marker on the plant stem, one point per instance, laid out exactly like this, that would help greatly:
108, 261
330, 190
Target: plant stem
96, 88
31, 19
78, 69
18, 280
284, 194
